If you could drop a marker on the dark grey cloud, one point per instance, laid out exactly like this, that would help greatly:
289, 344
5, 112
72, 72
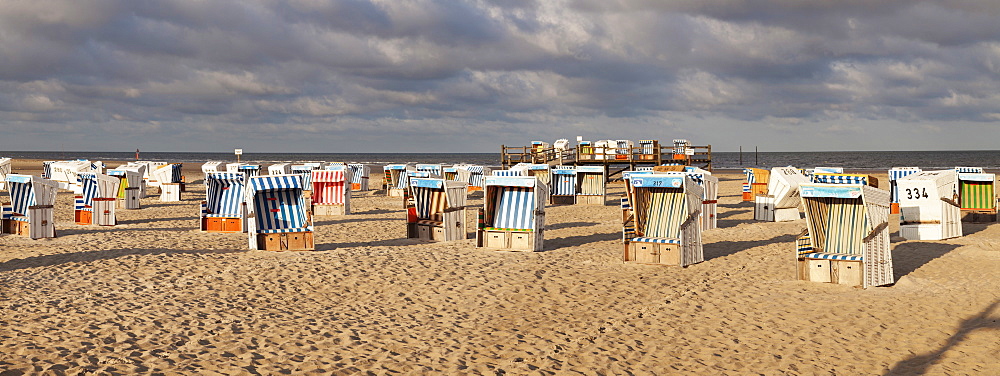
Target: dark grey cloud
468, 75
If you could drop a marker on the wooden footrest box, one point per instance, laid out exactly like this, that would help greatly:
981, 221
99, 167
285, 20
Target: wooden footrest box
222, 224
590, 200
288, 241
510, 240
328, 209
653, 253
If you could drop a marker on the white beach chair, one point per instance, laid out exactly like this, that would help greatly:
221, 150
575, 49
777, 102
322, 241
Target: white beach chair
96, 205
781, 204
927, 206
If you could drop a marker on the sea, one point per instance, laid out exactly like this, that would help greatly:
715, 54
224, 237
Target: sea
851, 160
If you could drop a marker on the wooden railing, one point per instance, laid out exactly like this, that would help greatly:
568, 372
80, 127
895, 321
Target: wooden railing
512, 155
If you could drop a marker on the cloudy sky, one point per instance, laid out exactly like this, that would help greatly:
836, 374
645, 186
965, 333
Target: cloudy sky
468, 76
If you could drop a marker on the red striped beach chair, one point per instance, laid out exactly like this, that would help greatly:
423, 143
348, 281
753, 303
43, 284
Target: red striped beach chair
331, 191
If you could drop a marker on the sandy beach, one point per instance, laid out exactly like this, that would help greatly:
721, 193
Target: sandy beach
154, 295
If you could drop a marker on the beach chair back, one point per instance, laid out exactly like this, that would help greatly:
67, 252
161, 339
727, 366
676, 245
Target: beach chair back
225, 193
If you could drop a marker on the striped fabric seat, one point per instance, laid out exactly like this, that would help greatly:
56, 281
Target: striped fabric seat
20, 218
329, 187
78, 205
6, 212
428, 222
515, 208
657, 240
833, 256
285, 230
224, 192
506, 229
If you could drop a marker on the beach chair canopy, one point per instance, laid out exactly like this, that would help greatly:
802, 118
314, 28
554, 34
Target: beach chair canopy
28, 190
224, 194
330, 186
167, 173
276, 202
922, 194
969, 170
432, 168
514, 202
837, 178
5, 165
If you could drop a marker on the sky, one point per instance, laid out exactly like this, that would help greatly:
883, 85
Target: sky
469, 76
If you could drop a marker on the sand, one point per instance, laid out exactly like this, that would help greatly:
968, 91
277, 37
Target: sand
154, 295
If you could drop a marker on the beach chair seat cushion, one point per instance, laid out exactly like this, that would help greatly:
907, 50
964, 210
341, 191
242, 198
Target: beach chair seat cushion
20, 218
285, 230
209, 215
507, 229
833, 256
429, 222
657, 240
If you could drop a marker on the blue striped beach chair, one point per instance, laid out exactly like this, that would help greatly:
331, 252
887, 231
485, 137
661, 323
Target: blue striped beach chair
756, 183
847, 236
435, 169
331, 191
277, 219
359, 176
224, 208
661, 219
31, 201
305, 173
438, 211
96, 205
897, 173
927, 206
513, 214
565, 185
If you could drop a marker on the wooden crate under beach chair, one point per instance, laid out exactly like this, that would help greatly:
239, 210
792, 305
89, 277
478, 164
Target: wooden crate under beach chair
847, 235
661, 220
